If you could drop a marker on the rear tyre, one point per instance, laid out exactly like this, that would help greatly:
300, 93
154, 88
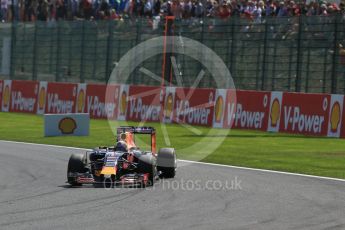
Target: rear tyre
75, 165
147, 164
166, 162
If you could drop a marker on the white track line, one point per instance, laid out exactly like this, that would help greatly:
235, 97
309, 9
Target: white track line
266, 170
202, 163
46, 145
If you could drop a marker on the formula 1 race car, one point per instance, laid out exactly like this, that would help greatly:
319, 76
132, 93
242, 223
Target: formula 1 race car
110, 166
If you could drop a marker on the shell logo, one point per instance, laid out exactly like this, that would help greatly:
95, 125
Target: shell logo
275, 112
169, 106
6, 96
219, 108
41, 98
335, 117
67, 125
123, 104
80, 101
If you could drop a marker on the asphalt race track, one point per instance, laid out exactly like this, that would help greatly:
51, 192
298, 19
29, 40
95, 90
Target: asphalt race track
33, 195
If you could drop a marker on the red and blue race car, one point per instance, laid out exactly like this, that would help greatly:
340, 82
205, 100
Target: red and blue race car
110, 166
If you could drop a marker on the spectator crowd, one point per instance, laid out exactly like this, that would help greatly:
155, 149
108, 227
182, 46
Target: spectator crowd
46, 10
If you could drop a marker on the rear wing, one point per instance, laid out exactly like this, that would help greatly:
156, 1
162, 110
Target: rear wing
133, 129
138, 130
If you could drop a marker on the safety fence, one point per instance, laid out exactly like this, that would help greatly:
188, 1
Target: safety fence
296, 54
276, 111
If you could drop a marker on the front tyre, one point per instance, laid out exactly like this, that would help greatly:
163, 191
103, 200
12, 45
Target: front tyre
75, 165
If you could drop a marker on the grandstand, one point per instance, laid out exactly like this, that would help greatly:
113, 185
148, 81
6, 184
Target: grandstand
300, 54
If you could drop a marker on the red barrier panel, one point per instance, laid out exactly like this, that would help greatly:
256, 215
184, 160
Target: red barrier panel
305, 113
168, 105
97, 105
275, 111
252, 110
144, 103
1, 84
81, 98
41, 97
24, 96
194, 106
6, 95
61, 98
224, 108
220, 103
335, 123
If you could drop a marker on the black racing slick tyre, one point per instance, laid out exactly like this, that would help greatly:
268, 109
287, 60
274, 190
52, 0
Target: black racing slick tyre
147, 164
75, 165
166, 162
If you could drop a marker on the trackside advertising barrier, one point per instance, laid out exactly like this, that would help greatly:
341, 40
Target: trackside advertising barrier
193, 106
80, 100
169, 100
6, 95
335, 118
95, 101
224, 108
122, 102
296, 113
41, 97
24, 96
1, 84
275, 112
305, 114
251, 110
61, 98
145, 103
220, 103
76, 124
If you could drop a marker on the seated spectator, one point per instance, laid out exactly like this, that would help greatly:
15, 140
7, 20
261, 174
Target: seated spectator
60, 10
3, 10
257, 14
176, 9
323, 9
147, 8
282, 10
198, 9
42, 10
235, 9
86, 8
224, 11
156, 7
186, 9
114, 15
